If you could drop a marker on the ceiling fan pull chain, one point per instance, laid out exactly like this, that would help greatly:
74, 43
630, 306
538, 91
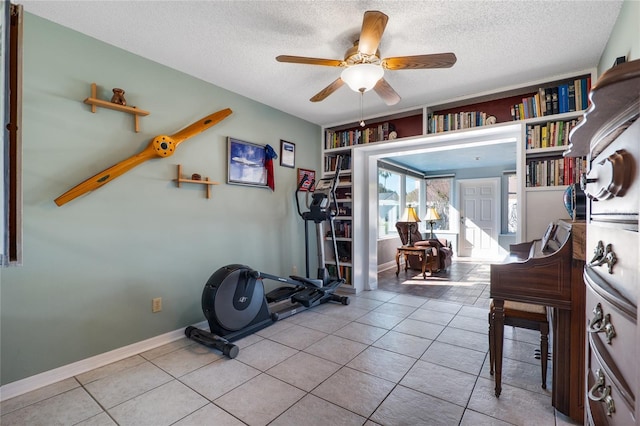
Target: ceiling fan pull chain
361, 109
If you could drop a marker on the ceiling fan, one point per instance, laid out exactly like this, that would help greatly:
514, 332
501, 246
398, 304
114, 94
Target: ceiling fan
363, 67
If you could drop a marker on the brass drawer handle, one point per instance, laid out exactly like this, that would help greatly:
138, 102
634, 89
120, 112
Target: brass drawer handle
608, 178
598, 253
602, 323
605, 393
602, 255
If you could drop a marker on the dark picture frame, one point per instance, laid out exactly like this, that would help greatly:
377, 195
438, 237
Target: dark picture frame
245, 163
287, 154
311, 175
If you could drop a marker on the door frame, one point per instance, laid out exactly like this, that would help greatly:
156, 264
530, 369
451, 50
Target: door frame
364, 164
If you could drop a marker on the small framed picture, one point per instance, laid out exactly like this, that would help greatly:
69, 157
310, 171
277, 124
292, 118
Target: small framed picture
287, 154
310, 178
245, 163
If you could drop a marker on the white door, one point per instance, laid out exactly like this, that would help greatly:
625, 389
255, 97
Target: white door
479, 217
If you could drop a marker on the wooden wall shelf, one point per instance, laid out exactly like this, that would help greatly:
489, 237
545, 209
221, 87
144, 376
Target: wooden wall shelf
95, 102
205, 181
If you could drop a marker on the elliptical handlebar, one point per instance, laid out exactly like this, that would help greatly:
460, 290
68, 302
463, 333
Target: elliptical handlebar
304, 179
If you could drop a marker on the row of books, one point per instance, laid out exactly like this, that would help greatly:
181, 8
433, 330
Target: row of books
555, 172
342, 229
344, 138
553, 133
330, 162
567, 97
345, 272
455, 121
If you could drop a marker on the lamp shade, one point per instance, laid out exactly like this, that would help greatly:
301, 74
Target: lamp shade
409, 215
362, 77
431, 215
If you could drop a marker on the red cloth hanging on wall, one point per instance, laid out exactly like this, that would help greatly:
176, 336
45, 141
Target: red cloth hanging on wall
269, 155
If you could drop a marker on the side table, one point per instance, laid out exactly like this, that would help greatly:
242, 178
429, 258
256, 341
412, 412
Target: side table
425, 255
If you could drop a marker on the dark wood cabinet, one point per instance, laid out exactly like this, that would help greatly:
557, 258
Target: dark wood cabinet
610, 136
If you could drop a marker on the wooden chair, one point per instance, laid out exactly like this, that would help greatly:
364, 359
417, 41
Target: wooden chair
441, 248
523, 315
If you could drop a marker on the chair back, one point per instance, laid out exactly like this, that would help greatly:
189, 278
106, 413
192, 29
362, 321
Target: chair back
403, 228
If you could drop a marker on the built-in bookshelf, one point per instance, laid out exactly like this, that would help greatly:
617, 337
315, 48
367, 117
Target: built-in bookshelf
546, 111
375, 130
343, 219
547, 99
545, 141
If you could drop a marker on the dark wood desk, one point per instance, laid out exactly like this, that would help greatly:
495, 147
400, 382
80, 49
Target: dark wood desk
427, 259
548, 275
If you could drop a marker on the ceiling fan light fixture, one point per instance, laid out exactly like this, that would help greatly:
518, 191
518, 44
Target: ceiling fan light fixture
362, 77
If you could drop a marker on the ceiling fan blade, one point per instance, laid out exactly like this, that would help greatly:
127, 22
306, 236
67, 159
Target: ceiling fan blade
373, 25
386, 92
436, 60
310, 61
321, 95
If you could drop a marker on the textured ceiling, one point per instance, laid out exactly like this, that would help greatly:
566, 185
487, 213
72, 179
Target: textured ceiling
233, 44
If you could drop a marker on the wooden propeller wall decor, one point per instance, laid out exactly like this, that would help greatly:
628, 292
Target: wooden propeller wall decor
365, 51
160, 146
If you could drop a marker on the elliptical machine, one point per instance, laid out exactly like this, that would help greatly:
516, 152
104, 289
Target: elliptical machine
234, 300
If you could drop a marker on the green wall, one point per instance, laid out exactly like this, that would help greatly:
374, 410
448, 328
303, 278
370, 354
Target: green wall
92, 266
625, 37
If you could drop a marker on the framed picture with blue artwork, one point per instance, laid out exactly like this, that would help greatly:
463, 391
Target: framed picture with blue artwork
245, 163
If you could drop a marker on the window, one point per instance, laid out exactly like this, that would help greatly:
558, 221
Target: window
389, 190
398, 188
439, 196
412, 192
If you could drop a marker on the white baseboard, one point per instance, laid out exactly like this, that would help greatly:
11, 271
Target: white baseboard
29, 384
387, 265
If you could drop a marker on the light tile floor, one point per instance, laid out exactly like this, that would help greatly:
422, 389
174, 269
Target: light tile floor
416, 355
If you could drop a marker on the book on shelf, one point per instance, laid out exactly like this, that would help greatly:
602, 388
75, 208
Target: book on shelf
542, 102
572, 97
555, 106
548, 96
563, 98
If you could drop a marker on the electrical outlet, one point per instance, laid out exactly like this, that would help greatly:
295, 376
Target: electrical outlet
294, 270
156, 304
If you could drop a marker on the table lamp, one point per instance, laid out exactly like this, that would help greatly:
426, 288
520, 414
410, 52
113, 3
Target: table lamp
409, 217
431, 216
